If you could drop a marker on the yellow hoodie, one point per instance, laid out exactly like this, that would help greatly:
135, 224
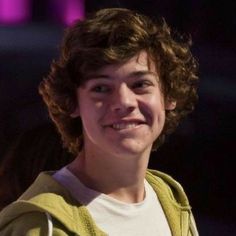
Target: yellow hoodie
47, 208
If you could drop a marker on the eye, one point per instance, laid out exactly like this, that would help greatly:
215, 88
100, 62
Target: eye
142, 84
101, 88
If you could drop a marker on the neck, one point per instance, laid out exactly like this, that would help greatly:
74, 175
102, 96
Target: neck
119, 177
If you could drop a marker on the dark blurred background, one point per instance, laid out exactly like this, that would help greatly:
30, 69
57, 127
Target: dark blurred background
200, 153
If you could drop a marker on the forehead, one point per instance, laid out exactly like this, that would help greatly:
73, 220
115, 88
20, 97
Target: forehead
141, 62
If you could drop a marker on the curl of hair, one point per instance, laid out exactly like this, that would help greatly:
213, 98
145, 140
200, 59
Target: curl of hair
113, 36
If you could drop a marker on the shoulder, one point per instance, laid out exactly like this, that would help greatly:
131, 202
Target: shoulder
32, 224
164, 184
162, 178
31, 218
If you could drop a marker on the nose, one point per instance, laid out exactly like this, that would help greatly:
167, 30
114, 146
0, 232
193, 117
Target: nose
123, 99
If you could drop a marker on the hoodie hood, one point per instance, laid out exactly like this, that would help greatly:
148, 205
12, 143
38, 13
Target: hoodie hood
174, 202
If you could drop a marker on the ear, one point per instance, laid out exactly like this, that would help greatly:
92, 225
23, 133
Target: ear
170, 105
75, 113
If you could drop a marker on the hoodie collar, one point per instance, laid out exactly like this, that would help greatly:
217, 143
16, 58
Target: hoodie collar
173, 200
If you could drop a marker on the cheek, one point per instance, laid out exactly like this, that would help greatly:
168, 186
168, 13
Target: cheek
155, 103
91, 105
92, 112
99, 105
156, 112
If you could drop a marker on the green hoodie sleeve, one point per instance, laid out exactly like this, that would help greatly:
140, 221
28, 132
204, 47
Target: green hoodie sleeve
31, 224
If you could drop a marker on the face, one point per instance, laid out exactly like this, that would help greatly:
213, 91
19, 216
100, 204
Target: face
122, 108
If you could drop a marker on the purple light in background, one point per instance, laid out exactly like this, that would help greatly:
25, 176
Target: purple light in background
68, 10
14, 11
74, 10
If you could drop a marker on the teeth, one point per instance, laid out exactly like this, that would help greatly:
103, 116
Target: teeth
124, 126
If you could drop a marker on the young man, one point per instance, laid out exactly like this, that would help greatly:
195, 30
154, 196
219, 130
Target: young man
121, 84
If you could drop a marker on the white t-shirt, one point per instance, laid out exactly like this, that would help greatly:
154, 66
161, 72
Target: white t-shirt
115, 217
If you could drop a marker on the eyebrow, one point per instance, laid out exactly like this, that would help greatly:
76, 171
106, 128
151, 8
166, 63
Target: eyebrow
142, 73
132, 74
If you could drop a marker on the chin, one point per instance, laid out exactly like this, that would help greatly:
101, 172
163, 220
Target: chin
132, 148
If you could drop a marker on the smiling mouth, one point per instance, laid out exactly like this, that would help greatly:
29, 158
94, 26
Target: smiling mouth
122, 126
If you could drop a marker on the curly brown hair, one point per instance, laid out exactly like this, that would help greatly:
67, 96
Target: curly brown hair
113, 36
